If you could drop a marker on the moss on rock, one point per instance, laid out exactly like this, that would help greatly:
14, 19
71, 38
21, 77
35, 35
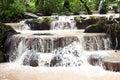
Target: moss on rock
110, 27
99, 27
40, 24
83, 22
5, 32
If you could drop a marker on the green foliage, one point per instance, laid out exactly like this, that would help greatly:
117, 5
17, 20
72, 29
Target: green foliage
40, 24
14, 9
49, 6
76, 6
59, 6
93, 4
78, 19
113, 4
92, 17
47, 20
11, 9
30, 6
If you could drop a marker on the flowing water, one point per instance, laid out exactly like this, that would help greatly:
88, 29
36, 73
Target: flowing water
62, 55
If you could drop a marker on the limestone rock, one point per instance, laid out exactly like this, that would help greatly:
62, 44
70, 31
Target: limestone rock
111, 64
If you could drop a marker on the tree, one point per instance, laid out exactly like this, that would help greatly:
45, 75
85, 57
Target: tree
86, 6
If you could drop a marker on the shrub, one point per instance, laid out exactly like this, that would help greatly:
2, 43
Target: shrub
11, 10
30, 6
47, 7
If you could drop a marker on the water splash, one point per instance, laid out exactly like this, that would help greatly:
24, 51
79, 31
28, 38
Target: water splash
64, 23
54, 50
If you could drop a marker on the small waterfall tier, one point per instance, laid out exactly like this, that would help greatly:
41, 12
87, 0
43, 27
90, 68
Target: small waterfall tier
54, 49
64, 23
20, 43
61, 23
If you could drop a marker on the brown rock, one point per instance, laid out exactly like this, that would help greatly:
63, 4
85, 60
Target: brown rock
112, 64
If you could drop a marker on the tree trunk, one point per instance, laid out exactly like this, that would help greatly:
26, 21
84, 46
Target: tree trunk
85, 5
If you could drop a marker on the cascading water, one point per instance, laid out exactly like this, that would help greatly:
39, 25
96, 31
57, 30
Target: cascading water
55, 50
61, 23
63, 55
64, 23
77, 53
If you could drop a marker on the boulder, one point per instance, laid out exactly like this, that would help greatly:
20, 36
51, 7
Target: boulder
34, 60
111, 64
99, 27
31, 59
38, 26
84, 23
95, 59
55, 60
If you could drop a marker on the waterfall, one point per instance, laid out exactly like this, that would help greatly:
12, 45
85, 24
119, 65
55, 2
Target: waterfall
83, 52
64, 23
56, 50
20, 43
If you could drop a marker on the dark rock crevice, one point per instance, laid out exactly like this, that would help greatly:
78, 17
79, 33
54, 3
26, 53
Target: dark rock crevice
5, 32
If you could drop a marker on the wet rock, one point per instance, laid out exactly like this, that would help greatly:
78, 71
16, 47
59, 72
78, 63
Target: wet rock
38, 26
99, 27
95, 60
5, 32
82, 23
111, 64
67, 56
31, 59
56, 60
34, 61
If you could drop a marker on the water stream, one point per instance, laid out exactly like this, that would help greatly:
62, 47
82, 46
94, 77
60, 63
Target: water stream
51, 55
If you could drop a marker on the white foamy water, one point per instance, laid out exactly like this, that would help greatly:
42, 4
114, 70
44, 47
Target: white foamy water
57, 55
18, 72
61, 23
56, 51
64, 23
